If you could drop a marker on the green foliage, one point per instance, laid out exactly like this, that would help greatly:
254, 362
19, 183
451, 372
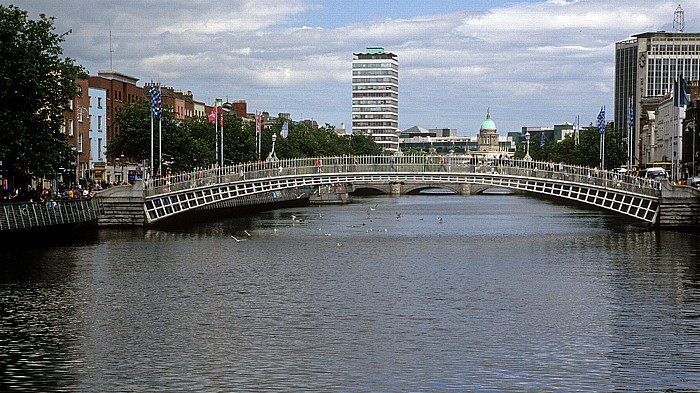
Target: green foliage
36, 84
585, 153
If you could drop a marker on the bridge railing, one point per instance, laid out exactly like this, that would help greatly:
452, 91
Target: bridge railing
38, 214
461, 164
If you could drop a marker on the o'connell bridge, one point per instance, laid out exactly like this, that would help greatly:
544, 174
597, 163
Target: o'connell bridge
159, 199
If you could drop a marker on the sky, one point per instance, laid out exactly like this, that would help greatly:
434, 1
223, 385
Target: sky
532, 63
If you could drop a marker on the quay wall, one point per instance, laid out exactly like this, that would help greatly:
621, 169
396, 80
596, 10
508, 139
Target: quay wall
123, 206
679, 207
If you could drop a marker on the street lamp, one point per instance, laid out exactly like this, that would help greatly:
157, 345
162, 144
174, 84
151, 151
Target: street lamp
272, 156
527, 141
122, 165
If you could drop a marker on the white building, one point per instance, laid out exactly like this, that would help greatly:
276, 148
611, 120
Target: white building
646, 66
375, 97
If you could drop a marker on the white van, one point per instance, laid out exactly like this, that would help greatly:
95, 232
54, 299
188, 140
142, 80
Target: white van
655, 173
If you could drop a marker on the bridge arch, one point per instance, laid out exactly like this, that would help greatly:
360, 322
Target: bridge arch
396, 175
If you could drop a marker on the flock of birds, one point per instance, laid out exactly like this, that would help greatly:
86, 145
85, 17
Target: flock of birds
299, 220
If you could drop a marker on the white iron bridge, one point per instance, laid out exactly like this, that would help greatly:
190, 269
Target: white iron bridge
240, 184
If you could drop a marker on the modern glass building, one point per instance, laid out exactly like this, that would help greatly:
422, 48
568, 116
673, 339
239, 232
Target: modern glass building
645, 67
375, 96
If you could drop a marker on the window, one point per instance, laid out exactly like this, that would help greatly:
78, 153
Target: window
70, 104
99, 102
70, 127
80, 115
99, 123
80, 142
99, 149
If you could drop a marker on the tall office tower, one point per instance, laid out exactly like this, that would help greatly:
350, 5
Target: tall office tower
375, 97
645, 68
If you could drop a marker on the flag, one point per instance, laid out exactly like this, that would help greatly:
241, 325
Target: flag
542, 139
156, 104
601, 120
212, 115
285, 129
680, 92
257, 125
630, 114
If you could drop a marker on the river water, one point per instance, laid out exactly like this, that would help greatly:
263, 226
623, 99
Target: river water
459, 293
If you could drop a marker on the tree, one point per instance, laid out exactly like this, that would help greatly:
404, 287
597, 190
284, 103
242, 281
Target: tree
36, 84
584, 153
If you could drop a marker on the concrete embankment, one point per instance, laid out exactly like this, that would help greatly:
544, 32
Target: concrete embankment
123, 206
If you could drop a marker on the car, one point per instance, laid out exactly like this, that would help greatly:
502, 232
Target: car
694, 182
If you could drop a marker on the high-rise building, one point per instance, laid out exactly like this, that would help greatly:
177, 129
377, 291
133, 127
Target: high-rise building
375, 97
645, 68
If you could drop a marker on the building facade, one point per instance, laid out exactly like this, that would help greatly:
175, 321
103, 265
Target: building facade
646, 66
375, 97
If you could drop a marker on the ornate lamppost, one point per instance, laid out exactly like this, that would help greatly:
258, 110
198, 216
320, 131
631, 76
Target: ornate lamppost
527, 141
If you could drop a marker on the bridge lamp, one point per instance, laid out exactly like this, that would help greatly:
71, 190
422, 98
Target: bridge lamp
272, 156
527, 141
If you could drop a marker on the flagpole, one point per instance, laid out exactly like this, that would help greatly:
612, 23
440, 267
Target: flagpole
160, 137
151, 162
219, 108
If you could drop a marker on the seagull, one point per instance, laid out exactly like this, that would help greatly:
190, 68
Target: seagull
339, 244
247, 233
398, 215
327, 234
294, 217
439, 219
237, 240
374, 208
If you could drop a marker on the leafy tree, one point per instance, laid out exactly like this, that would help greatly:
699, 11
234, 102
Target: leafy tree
134, 138
585, 153
36, 84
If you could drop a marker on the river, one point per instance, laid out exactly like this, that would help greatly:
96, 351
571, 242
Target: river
416, 293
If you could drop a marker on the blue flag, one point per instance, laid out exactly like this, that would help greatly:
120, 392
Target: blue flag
630, 113
601, 121
680, 92
156, 105
285, 130
542, 139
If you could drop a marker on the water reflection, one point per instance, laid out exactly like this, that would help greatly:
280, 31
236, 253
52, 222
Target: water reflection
494, 292
40, 320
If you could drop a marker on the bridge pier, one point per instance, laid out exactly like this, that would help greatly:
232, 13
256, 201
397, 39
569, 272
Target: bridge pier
679, 206
395, 189
123, 206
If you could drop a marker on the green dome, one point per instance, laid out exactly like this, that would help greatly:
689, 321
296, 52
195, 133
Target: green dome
488, 124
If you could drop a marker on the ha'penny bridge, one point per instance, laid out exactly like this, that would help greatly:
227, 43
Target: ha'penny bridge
268, 183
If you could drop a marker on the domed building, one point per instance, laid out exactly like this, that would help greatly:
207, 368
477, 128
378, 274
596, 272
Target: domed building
487, 141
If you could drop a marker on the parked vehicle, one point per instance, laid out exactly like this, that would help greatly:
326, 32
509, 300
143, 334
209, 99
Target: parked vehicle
655, 173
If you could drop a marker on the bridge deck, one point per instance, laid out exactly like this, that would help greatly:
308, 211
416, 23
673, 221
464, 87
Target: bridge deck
628, 195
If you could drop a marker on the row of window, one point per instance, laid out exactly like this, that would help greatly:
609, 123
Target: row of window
385, 116
375, 87
363, 124
375, 80
376, 65
375, 72
375, 102
365, 109
676, 48
383, 94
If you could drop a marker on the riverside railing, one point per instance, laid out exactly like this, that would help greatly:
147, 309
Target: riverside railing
38, 214
402, 164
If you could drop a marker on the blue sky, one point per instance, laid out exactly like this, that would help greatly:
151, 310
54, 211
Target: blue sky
533, 63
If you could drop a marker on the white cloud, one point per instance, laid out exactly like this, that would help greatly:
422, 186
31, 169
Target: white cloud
535, 63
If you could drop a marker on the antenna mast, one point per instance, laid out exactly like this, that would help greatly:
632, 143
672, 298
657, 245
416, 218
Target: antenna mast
110, 50
678, 20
